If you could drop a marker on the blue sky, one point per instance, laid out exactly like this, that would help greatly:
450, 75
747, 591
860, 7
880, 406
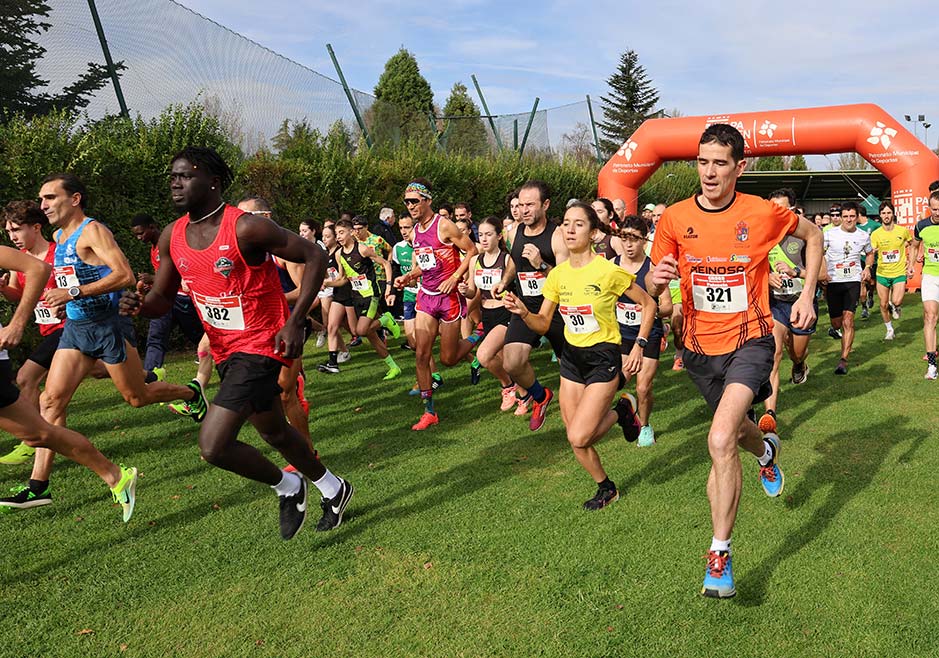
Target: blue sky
729, 56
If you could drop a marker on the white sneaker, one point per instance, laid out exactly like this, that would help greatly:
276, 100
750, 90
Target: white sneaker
342, 357
931, 372
890, 334
896, 312
321, 339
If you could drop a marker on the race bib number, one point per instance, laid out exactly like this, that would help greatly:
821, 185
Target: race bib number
65, 277
531, 283
332, 273
629, 315
44, 314
579, 319
360, 283
719, 293
849, 271
221, 312
425, 258
932, 254
890, 256
486, 279
788, 286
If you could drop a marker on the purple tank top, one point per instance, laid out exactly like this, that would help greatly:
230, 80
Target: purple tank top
437, 260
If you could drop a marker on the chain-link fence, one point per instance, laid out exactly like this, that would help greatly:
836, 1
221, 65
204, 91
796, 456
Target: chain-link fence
173, 55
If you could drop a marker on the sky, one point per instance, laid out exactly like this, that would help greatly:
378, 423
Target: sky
739, 56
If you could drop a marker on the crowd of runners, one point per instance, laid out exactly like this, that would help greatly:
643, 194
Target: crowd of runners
731, 280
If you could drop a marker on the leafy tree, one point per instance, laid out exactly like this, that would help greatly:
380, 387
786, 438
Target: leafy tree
630, 102
20, 85
798, 163
404, 102
770, 163
468, 135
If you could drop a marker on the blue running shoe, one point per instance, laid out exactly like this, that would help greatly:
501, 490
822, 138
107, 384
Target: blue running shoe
718, 576
771, 476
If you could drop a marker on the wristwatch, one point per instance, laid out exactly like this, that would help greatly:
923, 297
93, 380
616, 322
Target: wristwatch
74, 292
543, 266
798, 272
642, 342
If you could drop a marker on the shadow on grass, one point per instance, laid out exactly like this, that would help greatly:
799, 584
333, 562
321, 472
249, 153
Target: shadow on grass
848, 466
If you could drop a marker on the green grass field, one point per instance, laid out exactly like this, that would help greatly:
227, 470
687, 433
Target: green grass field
469, 539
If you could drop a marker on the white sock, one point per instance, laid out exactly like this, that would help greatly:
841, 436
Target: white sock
720, 544
889, 325
288, 485
767, 454
328, 485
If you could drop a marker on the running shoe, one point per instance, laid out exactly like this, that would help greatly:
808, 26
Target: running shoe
646, 437
392, 373
19, 455
160, 374
321, 339
522, 407
436, 381
415, 390
895, 312
626, 416
768, 421
865, 314
125, 493
554, 357
603, 497
664, 344
771, 476
800, 373
23, 498
718, 576
678, 365
931, 373
475, 374
330, 368
842, 368
407, 346
388, 322
195, 409
342, 357
926, 356
334, 508
425, 421
293, 510
539, 411
508, 398
834, 333
355, 342
890, 334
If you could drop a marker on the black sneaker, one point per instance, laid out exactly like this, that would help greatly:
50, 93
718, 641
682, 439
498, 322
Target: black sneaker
293, 511
331, 368
436, 382
475, 372
626, 417
603, 497
842, 368
800, 374
355, 342
407, 347
834, 333
23, 498
333, 509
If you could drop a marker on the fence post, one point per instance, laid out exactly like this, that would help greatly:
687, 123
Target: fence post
593, 126
355, 107
531, 119
492, 124
107, 59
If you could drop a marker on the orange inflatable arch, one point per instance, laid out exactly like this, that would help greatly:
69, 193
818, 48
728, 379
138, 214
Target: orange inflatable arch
867, 129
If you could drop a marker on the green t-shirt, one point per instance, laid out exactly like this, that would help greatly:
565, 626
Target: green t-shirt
868, 227
382, 248
403, 255
928, 233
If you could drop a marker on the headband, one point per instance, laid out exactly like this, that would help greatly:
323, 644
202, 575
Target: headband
420, 189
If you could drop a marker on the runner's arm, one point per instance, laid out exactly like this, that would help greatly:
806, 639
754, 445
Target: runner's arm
158, 301
538, 322
10, 288
559, 247
37, 274
468, 288
803, 309
295, 271
462, 242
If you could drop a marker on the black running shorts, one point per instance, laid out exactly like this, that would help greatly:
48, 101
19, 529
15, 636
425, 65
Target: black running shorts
8, 391
596, 364
749, 365
519, 332
248, 383
842, 297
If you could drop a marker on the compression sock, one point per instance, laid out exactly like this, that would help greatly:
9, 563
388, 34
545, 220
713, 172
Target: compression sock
931, 358
536, 391
428, 398
390, 362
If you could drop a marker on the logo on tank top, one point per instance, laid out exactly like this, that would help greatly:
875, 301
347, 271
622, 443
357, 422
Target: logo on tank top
223, 266
743, 232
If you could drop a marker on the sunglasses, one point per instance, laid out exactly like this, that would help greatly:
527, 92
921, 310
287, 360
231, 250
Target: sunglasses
412, 202
631, 237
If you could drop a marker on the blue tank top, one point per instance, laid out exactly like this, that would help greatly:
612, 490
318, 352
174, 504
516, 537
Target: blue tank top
70, 270
631, 331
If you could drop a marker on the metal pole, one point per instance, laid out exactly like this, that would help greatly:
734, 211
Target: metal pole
514, 134
593, 125
438, 136
355, 108
531, 119
492, 124
107, 59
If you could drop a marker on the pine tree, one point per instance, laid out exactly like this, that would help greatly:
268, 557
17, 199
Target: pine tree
798, 163
630, 102
404, 102
467, 136
19, 82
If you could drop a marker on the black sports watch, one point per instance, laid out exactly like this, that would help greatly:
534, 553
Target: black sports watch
74, 292
642, 342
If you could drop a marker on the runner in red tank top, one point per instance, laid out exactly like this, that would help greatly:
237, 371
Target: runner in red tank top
440, 306
223, 255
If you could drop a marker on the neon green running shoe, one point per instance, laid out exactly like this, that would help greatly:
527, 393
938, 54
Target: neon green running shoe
19, 455
125, 492
195, 409
160, 374
23, 498
392, 373
389, 323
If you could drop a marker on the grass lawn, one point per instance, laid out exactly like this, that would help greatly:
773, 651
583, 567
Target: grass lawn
469, 539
